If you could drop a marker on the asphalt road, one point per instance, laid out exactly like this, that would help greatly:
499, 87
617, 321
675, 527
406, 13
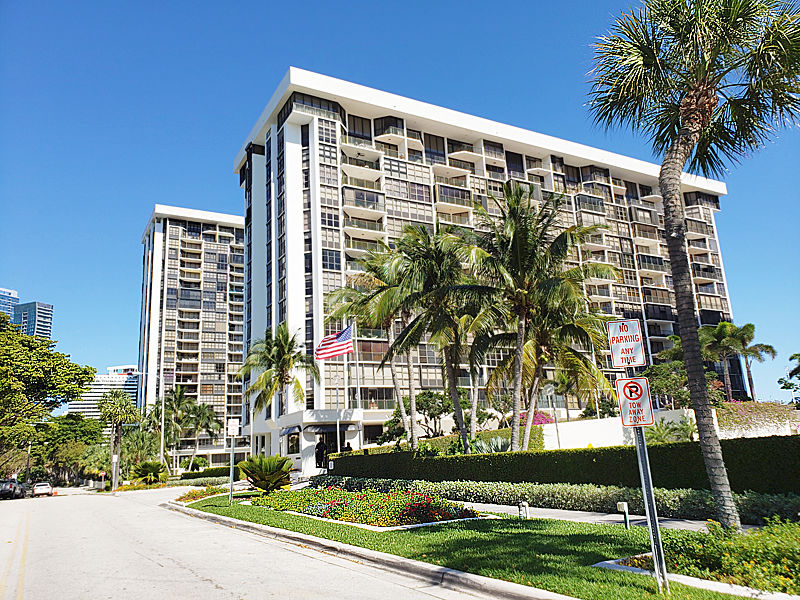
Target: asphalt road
85, 545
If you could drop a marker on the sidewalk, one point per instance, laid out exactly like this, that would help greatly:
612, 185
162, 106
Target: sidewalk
589, 517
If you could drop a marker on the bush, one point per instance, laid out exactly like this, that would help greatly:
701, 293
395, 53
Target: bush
766, 465
193, 495
384, 509
150, 472
212, 472
677, 504
200, 462
199, 481
267, 473
767, 559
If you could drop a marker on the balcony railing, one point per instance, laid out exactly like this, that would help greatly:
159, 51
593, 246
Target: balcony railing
312, 110
494, 152
454, 181
354, 265
414, 134
699, 227
363, 224
652, 263
360, 162
376, 204
361, 245
356, 141
454, 219
392, 130
460, 147
707, 271
497, 176
462, 164
454, 200
364, 183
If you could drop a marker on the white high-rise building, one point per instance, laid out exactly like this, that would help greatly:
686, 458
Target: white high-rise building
122, 377
192, 319
332, 167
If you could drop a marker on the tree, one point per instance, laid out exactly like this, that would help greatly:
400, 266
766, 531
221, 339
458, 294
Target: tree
376, 300
34, 380
274, 360
117, 409
795, 370
201, 419
138, 446
177, 408
669, 380
707, 81
749, 350
522, 262
723, 342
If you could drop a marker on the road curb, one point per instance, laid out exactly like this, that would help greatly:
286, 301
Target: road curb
444, 577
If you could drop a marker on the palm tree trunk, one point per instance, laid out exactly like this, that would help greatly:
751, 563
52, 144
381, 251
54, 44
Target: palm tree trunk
412, 392
726, 373
398, 394
675, 224
516, 393
532, 408
473, 421
194, 452
452, 385
750, 379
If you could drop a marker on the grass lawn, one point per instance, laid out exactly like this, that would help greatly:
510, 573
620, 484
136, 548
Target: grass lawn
548, 554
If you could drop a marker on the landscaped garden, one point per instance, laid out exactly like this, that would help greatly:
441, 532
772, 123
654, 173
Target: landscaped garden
370, 507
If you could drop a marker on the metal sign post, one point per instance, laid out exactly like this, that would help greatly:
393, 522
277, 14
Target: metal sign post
232, 431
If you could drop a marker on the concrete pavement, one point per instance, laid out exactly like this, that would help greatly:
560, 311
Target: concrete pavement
101, 546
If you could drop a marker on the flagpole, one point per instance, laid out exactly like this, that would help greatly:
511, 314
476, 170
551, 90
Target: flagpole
355, 358
346, 401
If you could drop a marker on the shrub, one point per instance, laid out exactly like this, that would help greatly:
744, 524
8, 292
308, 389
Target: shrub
776, 468
149, 472
199, 481
384, 509
200, 462
212, 472
677, 504
495, 444
267, 473
193, 495
767, 559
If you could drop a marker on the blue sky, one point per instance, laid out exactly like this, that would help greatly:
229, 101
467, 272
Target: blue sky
109, 108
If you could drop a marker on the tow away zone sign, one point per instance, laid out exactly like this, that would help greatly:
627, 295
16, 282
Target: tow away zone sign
635, 406
625, 342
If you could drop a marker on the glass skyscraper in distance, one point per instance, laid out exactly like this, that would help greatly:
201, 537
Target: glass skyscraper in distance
34, 318
8, 300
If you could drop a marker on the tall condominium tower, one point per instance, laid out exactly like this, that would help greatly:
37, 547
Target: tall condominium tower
34, 318
192, 318
331, 167
122, 377
8, 300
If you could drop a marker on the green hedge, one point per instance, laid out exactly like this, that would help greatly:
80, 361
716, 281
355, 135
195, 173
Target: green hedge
753, 507
767, 465
212, 472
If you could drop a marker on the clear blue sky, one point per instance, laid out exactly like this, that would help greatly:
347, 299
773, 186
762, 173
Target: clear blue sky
108, 108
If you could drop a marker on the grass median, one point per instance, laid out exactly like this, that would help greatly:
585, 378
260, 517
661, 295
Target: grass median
547, 554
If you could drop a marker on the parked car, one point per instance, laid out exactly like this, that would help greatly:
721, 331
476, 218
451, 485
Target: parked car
42, 488
11, 488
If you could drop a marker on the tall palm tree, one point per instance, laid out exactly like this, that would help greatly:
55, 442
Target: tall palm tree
746, 335
522, 261
138, 445
117, 409
376, 300
202, 419
795, 370
723, 342
430, 267
707, 81
274, 360
177, 406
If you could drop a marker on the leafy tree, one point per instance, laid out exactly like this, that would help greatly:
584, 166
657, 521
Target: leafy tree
34, 380
707, 81
662, 431
96, 458
138, 445
58, 444
795, 370
746, 335
669, 380
117, 409
608, 407
274, 361
199, 463
723, 342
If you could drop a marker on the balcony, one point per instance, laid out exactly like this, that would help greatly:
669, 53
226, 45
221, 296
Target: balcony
391, 135
452, 199
362, 183
497, 176
442, 170
698, 246
415, 139
361, 147
364, 228
495, 155
706, 273
453, 181
652, 264
462, 151
313, 110
644, 233
462, 220
354, 266
659, 312
698, 229
618, 184
362, 203
595, 204
359, 168
359, 248
536, 166
595, 242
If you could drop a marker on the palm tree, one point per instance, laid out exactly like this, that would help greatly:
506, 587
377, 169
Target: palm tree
707, 81
116, 409
138, 445
274, 360
376, 300
429, 268
723, 342
202, 419
746, 335
177, 407
795, 370
522, 261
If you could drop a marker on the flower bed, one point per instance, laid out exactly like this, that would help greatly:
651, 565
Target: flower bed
765, 559
209, 490
369, 507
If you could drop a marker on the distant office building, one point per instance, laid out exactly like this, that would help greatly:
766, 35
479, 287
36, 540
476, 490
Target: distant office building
122, 377
34, 318
192, 321
8, 300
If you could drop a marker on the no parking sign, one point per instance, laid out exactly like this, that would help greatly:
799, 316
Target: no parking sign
635, 405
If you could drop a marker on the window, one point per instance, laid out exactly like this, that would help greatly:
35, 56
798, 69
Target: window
328, 175
332, 260
359, 127
330, 238
329, 219
327, 132
420, 193
293, 443
434, 148
327, 154
329, 196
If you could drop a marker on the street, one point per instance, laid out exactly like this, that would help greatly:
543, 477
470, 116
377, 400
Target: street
85, 545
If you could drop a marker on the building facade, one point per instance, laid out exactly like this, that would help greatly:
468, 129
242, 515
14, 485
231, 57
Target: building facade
8, 300
348, 166
122, 377
34, 318
192, 317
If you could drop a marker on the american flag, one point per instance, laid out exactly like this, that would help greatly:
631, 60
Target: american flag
335, 344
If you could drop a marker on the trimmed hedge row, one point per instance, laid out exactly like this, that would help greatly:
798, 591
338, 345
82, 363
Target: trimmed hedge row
753, 508
212, 472
767, 465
